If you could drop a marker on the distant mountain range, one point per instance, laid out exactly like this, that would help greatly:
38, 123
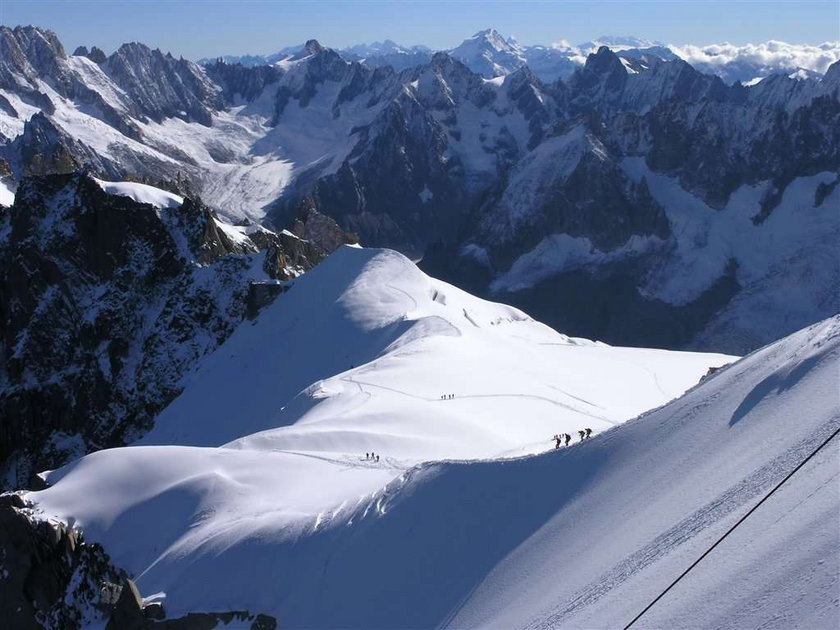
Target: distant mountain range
511, 187
491, 54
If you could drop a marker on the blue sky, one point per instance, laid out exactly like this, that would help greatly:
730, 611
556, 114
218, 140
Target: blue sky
199, 28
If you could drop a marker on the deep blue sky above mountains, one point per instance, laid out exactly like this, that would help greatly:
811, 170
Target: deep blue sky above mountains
202, 28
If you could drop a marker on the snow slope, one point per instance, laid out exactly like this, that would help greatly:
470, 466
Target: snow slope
641, 503
260, 462
7, 195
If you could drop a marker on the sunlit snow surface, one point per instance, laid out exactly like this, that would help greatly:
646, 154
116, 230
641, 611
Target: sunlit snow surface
141, 193
354, 358
7, 195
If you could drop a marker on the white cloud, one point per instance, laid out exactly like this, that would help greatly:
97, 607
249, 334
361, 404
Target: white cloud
562, 45
772, 56
749, 63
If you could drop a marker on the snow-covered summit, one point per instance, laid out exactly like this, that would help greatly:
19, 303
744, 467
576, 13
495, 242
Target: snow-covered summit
490, 54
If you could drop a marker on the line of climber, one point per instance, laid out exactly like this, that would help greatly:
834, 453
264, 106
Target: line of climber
563, 439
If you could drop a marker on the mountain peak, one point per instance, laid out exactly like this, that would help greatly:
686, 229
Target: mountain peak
313, 47
602, 61
493, 38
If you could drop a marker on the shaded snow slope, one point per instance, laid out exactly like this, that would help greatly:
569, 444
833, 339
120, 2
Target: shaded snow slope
353, 358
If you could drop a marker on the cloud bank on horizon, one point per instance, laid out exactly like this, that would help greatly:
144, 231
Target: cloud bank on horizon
771, 54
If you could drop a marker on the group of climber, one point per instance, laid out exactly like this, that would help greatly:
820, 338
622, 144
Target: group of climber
447, 396
563, 439
371, 457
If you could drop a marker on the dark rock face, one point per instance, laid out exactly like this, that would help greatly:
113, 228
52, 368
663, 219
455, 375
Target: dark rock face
104, 304
51, 579
245, 82
313, 227
94, 54
128, 611
592, 199
154, 611
29, 53
413, 173
50, 576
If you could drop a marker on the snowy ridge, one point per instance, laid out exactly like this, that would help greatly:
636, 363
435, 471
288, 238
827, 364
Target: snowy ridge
262, 456
141, 193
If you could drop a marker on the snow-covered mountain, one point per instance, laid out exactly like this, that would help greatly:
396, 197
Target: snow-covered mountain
263, 454
509, 186
388, 53
261, 499
491, 54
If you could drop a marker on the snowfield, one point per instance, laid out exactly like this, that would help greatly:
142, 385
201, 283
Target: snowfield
258, 469
253, 492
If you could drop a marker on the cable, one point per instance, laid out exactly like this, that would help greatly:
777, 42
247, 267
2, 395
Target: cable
731, 529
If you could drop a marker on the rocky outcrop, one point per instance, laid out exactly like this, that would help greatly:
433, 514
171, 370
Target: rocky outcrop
242, 82
127, 613
49, 576
321, 231
96, 55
